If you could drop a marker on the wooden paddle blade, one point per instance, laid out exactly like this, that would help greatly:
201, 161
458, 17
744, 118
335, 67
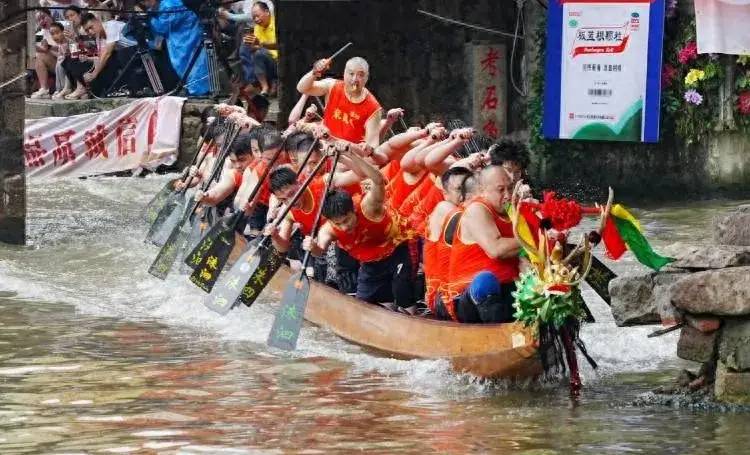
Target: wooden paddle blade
195, 257
199, 228
599, 277
271, 262
288, 322
157, 202
165, 259
205, 275
170, 215
229, 285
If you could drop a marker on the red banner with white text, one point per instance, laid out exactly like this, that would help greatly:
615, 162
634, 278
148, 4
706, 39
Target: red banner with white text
141, 134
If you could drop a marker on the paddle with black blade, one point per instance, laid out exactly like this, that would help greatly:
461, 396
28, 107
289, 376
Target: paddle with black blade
200, 249
154, 207
205, 274
174, 207
286, 326
176, 241
257, 265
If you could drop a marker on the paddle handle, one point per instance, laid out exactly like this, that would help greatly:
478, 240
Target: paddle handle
298, 194
256, 190
319, 215
308, 154
343, 48
288, 207
200, 157
218, 165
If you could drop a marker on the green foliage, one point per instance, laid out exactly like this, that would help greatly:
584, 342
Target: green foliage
533, 305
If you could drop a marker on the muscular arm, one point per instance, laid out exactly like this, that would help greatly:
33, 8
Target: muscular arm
400, 143
440, 158
249, 181
298, 109
373, 202
323, 240
477, 226
372, 129
307, 85
220, 191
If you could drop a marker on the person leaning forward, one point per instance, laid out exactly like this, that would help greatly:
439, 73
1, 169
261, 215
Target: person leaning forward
372, 233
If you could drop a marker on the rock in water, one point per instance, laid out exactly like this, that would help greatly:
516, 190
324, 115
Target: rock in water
732, 386
632, 300
644, 299
723, 292
734, 346
734, 227
695, 345
702, 257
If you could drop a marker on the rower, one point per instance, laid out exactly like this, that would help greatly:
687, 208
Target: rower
240, 157
269, 143
352, 112
456, 185
484, 260
372, 233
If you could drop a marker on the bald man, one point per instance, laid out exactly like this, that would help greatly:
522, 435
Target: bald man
484, 256
352, 113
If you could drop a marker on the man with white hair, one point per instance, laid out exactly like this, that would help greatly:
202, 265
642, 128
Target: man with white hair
352, 113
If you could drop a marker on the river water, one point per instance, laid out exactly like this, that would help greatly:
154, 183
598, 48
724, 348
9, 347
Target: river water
96, 356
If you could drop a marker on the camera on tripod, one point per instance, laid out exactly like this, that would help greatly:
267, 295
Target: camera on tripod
138, 29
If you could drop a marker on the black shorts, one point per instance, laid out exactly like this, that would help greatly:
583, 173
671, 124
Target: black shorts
387, 280
495, 308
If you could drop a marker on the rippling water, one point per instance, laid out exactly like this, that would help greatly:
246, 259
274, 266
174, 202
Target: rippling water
96, 356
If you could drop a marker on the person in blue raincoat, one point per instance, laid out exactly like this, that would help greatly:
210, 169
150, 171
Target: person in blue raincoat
182, 31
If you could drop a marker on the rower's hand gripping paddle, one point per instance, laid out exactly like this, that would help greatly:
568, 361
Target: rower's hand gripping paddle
254, 269
218, 248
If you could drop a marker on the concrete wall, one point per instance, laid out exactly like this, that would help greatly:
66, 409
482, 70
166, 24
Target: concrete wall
12, 181
416, 62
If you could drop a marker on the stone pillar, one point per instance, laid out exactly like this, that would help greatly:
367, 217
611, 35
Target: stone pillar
12, 177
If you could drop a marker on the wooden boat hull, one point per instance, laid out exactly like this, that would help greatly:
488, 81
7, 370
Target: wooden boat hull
484, 350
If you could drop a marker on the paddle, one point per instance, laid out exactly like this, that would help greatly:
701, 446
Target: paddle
256, 266
205, 274
288, 321
199, 251
170, 213
176, 240
157, 202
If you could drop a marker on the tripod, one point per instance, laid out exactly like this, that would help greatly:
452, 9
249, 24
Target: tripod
148, 64
139, 31
207, 43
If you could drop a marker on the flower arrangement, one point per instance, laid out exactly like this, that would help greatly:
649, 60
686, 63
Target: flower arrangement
691, 85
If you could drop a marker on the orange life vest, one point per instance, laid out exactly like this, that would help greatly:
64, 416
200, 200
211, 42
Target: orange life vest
398, 190
372, 241
436, 257
346, 120
467, 260
433, 195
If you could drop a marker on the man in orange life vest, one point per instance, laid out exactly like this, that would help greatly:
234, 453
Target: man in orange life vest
352, 113
374, 234
484, 257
